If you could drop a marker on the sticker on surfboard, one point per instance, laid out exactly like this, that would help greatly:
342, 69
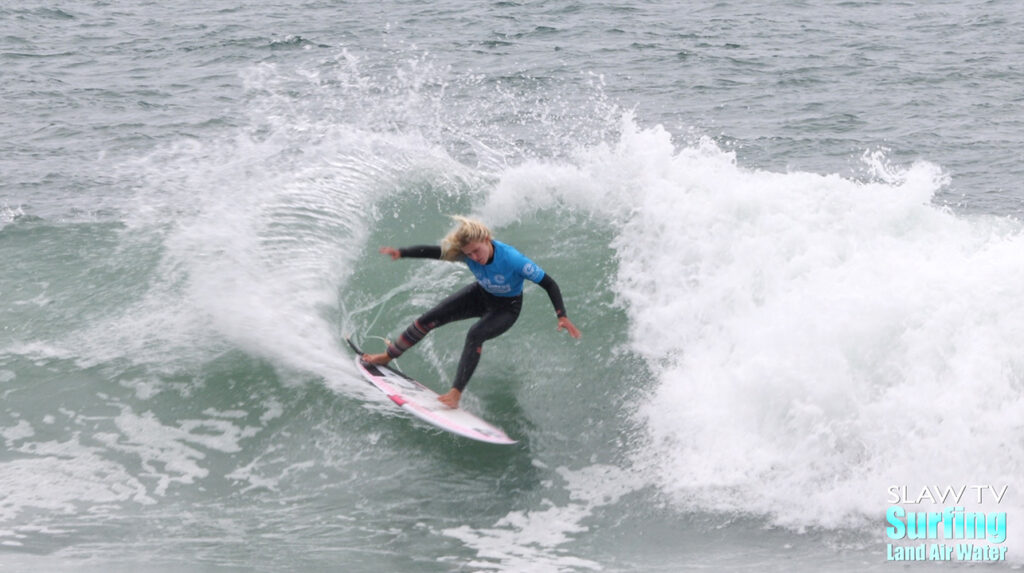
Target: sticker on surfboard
421, 402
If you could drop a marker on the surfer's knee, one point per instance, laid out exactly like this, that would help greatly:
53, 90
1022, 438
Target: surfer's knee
475, 339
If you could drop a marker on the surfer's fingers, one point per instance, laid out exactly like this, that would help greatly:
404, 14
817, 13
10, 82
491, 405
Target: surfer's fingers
570, 328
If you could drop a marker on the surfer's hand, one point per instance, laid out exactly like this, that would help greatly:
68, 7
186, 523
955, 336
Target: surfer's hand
565, 323
451, 399
392, 252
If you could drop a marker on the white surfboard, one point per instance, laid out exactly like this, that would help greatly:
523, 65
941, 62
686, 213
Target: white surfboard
421, 402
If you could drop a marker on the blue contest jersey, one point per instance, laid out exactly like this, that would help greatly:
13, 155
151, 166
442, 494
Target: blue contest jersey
505, 274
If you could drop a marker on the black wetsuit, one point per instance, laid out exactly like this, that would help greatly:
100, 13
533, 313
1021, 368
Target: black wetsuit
497, 313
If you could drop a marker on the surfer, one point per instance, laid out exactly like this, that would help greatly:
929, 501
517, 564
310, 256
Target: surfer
496, 297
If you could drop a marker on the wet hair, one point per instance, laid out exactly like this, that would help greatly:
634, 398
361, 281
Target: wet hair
468, 231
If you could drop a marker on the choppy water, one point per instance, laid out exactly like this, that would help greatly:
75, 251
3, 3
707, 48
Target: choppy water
789, 232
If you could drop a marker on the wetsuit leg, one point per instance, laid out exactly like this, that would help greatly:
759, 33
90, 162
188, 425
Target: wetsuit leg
501, 315
467, 302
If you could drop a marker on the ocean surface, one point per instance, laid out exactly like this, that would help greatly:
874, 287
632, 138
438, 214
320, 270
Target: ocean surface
790, 232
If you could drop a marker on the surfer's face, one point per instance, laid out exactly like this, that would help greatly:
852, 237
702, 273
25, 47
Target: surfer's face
478, 251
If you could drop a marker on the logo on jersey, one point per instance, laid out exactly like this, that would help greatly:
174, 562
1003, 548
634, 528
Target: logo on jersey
495, 287
531, 271
499, 279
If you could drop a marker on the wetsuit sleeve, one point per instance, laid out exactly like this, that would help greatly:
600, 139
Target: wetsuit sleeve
421, 252
554, 293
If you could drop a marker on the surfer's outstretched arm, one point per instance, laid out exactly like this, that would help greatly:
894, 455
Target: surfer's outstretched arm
417, 252
555, 294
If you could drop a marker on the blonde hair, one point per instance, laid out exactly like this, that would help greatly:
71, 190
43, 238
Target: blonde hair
468, 231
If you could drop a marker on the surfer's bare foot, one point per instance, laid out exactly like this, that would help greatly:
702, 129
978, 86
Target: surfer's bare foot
451, 399
379, 359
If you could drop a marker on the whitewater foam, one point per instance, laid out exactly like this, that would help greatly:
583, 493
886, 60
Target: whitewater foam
813, 338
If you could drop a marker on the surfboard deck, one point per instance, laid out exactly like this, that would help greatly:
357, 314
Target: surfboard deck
421, 402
